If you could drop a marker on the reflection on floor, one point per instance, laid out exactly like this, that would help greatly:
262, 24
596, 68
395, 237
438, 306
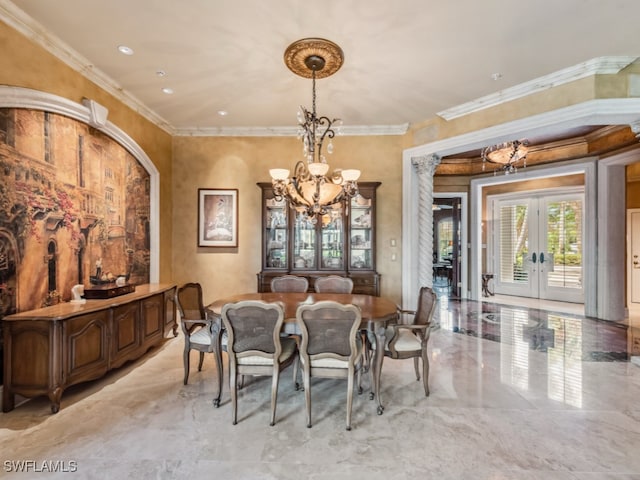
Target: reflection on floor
516, 393
590, 339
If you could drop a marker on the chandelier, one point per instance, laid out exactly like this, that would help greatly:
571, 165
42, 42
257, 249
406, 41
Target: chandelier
312, 190
506, 155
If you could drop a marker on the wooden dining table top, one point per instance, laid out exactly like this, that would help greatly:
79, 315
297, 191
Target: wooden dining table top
371, 307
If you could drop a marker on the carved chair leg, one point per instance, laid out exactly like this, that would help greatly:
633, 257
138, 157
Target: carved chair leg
366, 352
296, 365
274, 394
218, 355
233, 387
307, 393
425, 373
349, 398
416, 366
201, 361
185, 360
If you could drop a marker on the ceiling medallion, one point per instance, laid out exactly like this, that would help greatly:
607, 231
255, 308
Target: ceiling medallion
309, 55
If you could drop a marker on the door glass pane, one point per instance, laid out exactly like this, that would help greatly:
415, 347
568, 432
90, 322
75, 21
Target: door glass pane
361, 236
445, 240
332, 239
276, 226
514, 231
564, 244
304, 243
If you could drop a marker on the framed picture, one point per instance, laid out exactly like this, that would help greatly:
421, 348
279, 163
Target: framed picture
217, 217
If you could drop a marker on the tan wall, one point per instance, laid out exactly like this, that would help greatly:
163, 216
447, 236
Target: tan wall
242, 162
25, 64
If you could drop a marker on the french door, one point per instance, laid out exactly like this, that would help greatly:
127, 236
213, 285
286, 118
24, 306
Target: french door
536, 245
633, 229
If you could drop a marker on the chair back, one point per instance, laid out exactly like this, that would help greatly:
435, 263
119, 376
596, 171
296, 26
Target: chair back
289, 283
333, 284
253, 328
427, 300
189, 302
329, 329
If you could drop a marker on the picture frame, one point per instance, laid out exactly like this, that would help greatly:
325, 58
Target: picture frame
217, 217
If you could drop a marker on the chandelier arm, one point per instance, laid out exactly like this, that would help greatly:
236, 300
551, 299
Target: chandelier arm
328, 132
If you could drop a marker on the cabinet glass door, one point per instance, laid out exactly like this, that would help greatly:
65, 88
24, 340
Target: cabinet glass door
333, 239
360, 243
276, 233
304, 243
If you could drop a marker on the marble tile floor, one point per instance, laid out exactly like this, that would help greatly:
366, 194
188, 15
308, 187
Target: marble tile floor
516, 394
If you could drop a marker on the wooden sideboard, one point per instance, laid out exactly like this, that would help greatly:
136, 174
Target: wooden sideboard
52, 348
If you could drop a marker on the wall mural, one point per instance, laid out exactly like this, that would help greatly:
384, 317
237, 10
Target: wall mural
74, 209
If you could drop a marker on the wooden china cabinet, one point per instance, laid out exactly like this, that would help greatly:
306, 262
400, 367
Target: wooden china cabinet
341, 242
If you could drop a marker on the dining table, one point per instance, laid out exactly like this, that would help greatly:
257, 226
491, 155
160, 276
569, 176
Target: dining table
376, 312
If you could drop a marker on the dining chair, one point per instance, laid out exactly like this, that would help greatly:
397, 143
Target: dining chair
289, 283
409, 340
202, 331
255, 346
333, 284
330, 346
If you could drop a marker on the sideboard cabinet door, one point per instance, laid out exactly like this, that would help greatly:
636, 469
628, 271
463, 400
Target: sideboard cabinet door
125, 337
152, 318
86, 347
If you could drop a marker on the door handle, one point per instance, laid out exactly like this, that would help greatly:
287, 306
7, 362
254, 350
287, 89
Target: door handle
541, 257
533, 257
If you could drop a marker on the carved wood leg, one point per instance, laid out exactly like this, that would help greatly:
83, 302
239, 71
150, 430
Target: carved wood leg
416, 367
201, 361
377, 363
185, 360
349, 398
218, 354
425, 373
233, 386
54, 396
307, 393
274, 392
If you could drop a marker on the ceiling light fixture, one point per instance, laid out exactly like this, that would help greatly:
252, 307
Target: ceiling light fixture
311, 190
125, 50
507, 155
167, 90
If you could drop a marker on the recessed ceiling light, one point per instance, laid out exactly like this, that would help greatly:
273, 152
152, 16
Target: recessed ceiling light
167, 90
125, 50
496, 76
222, 113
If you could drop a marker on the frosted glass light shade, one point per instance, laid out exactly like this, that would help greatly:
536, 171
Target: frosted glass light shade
318, 169
350, 175
279, 173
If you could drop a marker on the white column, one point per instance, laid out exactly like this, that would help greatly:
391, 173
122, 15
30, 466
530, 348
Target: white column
425, 167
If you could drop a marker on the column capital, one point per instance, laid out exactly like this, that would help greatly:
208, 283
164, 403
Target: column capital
426, 164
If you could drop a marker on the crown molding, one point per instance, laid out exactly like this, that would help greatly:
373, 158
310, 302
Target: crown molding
595, 66
20, 21
24, 24
345, 131
612, 111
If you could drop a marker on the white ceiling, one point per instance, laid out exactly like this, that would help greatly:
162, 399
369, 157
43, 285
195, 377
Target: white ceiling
405, 60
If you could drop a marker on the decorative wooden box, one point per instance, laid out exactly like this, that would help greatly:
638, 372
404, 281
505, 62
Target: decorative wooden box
107, 291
